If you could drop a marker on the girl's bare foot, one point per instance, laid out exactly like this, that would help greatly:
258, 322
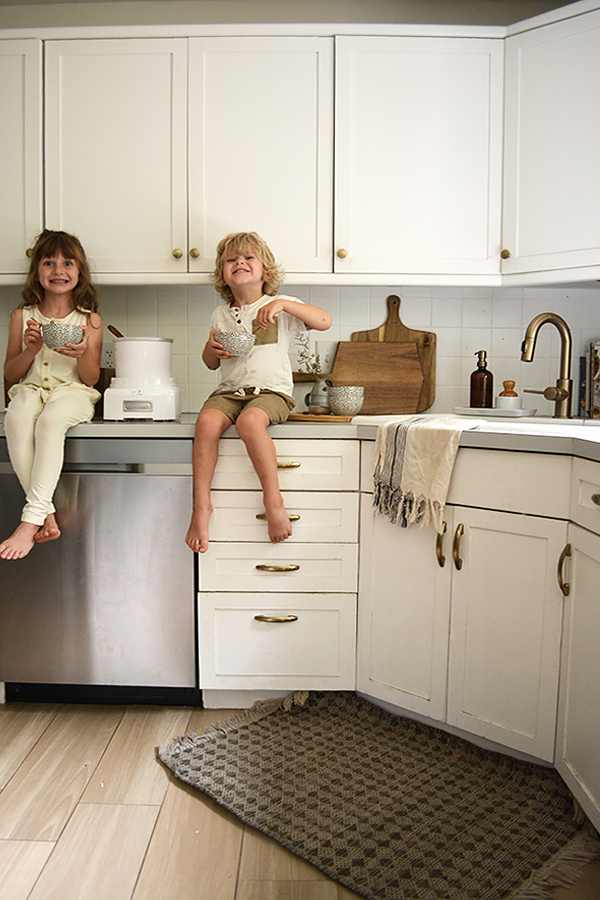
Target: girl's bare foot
49, 530
197, 535
20, 542
278, 521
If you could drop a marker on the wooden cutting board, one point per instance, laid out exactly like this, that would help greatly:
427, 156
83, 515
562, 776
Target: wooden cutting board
394, 331
390, 372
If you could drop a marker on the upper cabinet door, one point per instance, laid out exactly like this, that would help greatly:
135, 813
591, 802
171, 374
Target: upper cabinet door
418, 155
552, 177
261, 147
116, 150
20, 151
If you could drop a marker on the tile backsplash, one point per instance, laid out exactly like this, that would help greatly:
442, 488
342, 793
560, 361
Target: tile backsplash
465, 320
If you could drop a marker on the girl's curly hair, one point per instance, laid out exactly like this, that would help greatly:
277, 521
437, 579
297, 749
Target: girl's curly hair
236, 243
48, 244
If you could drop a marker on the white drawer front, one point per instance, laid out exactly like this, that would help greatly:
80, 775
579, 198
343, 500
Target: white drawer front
585, 494
326, 517
285, 567
303, 465
314, 648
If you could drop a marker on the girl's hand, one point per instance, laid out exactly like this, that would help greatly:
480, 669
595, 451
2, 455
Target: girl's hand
75, 351
266, 314
32, 336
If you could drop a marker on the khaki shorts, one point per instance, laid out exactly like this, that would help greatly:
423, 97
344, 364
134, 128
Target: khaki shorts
277, 406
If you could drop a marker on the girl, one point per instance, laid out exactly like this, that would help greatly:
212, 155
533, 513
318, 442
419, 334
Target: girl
255, 390
52, 389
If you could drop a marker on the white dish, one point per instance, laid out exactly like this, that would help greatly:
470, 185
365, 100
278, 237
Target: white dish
502, 413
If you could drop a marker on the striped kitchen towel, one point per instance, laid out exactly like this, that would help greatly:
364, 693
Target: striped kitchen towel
414, 459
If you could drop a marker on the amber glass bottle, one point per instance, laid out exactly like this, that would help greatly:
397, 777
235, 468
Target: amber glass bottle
482, 384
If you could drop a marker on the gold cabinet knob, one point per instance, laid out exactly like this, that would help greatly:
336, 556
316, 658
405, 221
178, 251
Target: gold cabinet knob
505, 254
29, 252
342, 253
194, 253
177, 253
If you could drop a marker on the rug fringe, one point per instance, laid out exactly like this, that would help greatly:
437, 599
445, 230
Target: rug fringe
259, 710
563, 870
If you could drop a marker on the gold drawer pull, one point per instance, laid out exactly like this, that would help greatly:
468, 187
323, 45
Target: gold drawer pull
564, 586
276, 618
287, 464
264, 568
458, 562
439, 546
263, 516
596, 499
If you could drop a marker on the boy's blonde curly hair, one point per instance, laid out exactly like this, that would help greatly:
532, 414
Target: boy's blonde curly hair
237, 243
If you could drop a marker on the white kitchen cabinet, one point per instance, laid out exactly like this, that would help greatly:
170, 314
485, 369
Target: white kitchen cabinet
403, 615
261, 147
552, 130
151, 177
418, 155
506, 629
21, 217
578, 734
303, 590
115, 133
476, 647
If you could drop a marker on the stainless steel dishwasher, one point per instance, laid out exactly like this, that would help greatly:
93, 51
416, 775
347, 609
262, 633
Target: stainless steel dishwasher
112, 602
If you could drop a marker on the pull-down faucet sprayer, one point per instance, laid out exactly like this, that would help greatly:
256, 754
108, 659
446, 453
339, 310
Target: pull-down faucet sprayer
562, 393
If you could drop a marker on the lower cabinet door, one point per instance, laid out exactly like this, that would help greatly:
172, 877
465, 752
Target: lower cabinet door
404, 612
578, 733
297, 641
506, 629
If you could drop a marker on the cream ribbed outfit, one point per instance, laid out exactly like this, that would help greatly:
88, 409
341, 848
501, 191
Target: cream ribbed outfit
48, 400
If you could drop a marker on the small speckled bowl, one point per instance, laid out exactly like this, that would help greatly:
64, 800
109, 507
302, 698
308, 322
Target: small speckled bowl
345, 400
238, 344
56, 336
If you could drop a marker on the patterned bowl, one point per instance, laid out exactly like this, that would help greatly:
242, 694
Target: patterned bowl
345, 400
56, 336
238, 344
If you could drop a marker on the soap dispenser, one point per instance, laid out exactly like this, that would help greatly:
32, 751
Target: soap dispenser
482, 384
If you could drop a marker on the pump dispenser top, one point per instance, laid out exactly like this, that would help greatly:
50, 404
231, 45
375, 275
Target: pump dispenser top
482, 384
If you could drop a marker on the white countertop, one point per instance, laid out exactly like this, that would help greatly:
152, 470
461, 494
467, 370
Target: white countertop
574, 437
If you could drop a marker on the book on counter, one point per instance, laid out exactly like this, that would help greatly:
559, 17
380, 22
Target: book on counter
589, 396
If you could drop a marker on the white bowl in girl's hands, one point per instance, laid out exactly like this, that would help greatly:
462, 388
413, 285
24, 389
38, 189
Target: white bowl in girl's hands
236, 343
57, 335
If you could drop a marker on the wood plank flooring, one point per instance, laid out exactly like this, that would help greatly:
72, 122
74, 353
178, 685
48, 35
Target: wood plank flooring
87, 813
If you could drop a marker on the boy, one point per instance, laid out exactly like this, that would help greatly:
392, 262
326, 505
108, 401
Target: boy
255, 390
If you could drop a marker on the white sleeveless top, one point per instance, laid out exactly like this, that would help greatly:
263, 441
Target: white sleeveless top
50, 370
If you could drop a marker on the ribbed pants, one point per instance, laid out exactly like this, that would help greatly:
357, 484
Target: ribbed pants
35, 426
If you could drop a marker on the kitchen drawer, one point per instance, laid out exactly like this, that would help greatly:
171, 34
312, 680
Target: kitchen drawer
313, 650
296, 567
536, 484
325, 517
585, 494
318, 465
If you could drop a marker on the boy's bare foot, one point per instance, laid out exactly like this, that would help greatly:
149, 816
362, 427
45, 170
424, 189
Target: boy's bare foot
49, 530
20, 542
197, 535
278, 521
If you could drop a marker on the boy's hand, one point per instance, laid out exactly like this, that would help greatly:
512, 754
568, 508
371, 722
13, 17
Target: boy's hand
266, 314
216, 348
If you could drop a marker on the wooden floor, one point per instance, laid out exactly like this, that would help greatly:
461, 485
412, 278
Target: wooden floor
87, 813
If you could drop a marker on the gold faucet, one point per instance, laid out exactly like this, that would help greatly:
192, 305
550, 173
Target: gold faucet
563, 391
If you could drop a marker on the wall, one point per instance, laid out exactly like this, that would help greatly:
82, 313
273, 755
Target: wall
464, 319
42, 13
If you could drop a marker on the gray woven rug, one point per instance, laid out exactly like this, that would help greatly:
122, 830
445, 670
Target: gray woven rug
390, 808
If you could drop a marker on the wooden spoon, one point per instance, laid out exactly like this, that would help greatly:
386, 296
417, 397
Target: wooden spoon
115, 331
